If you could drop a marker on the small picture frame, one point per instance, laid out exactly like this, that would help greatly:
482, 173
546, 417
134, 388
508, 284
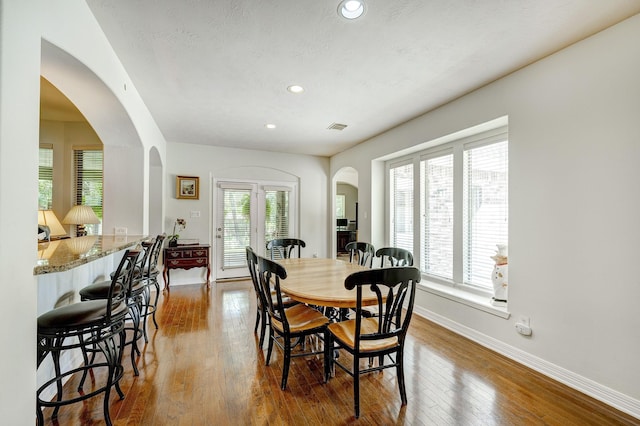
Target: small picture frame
188, 187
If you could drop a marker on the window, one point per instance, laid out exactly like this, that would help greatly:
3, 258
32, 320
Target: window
45, 178
401, 201
276, 220
463, 208
88, 183
341, 204
437, 216
236, 226
485, 209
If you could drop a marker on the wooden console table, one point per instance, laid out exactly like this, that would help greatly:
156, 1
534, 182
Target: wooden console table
185, 257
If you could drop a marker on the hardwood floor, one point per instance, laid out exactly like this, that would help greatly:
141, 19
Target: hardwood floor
203, 366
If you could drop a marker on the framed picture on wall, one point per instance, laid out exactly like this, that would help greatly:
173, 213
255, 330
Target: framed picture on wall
188, 187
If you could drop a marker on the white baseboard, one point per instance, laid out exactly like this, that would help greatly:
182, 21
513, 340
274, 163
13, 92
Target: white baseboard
582, 384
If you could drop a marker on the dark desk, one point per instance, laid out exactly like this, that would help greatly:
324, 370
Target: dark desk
344, 238
185, 257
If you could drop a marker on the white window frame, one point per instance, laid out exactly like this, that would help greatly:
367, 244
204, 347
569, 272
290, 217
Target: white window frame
454, 289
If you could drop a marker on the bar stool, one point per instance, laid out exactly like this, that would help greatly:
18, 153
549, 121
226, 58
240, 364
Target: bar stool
88, 325
134, 299
150, 278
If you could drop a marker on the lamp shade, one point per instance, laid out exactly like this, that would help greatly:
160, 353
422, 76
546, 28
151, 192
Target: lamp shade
80, 215
48, 218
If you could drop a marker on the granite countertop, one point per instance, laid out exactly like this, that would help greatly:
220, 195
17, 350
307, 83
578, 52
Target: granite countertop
62, 255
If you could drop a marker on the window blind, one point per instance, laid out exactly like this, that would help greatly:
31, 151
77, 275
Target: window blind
88, 186
45, 178
437, 215
276, 215
485, 210
236, 226
401, 208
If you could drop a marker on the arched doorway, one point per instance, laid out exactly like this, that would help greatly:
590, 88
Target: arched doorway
124, 165
345, 212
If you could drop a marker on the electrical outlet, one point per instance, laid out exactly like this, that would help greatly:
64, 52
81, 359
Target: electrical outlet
195, 213
120, 230
525, 330
523, 326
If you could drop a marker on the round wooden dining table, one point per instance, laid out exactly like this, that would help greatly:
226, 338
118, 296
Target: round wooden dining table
320, 282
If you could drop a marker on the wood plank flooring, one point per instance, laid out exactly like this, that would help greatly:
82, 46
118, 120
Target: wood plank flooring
203, 366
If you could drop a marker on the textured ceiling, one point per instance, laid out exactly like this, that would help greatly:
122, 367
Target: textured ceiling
215, 72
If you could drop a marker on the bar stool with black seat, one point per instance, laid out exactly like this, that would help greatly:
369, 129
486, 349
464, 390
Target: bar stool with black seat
134, 300
382, 336
94, 325
287, 324
283, 248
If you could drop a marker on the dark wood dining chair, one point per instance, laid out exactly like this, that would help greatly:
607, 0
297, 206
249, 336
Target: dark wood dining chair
360, 253
283, 248
394, 256
389, 256
262, 316
289, 324
382, 336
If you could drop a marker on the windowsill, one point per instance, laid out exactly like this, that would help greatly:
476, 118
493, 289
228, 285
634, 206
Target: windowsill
476, 301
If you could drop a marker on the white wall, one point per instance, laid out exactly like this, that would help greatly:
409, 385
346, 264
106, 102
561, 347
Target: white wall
19, 113
208, 163
69, 34
78, 59
574, 209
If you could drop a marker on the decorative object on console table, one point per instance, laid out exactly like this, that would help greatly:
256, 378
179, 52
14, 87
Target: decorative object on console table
172, 239
500, 276
188, 187
185, 257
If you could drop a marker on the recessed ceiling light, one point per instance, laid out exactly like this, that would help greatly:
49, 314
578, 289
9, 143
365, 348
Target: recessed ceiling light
295, 89
351, 9
270, 126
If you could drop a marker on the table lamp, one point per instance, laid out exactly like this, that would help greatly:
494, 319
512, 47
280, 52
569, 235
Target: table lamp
80, 216
49, 222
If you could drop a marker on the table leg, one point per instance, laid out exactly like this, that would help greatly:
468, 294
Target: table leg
165, 274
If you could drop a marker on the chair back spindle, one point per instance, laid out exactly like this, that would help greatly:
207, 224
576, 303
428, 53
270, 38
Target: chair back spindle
284, 248
360, 253
394, 256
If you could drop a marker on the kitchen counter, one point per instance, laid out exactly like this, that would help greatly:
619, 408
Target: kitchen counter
63, 255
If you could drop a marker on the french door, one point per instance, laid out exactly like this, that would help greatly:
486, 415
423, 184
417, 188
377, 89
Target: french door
250, 214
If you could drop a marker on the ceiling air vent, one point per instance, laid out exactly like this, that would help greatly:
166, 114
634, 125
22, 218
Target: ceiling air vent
337, 126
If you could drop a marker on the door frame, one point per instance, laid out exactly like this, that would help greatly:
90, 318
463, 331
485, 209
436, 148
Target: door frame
257, 238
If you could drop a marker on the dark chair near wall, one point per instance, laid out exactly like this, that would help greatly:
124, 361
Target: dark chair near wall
394, 256
382, 336
262, 316
360, 253
389, 257
284, 248
289, 324
89, 325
